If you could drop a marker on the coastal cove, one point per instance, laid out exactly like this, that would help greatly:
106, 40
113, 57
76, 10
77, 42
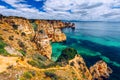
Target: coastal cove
94, 41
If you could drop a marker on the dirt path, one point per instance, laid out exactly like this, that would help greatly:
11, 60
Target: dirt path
6, 61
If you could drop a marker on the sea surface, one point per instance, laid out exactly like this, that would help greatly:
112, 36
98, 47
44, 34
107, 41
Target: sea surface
94, 41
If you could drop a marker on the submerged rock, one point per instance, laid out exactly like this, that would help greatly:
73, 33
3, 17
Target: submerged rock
100, 70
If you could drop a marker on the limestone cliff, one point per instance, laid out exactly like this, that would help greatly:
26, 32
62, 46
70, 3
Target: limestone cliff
23, 34
43, 43
100, 70
52, 29
79, 66
25, 52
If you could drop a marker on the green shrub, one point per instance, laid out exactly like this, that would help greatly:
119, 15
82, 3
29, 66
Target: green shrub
22, 52
27, 75
41, 31
52, 64
39, 57
75, 79
2, 50
34, 25
22, 78
40, 61
33, 63
15, 26
1, 38
36, 63
52, 75
23, 34
84, 76
67, 54
21, 44
11, 37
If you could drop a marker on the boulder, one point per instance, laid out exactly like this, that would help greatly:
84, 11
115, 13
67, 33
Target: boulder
100, 70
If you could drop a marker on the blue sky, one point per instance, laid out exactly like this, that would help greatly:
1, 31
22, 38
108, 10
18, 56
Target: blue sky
82, 10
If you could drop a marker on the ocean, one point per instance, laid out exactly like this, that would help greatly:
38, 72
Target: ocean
94, 41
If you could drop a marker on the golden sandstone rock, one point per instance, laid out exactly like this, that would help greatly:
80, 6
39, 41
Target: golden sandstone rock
79, 66
50, 28
43, 43
48, 31
100, 70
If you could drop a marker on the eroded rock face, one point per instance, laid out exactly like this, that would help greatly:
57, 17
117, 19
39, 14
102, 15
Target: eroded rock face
48, 31
58, 36
79, 66
43, 43
52, 29
12, 51
20, 24
25, 31
100, 70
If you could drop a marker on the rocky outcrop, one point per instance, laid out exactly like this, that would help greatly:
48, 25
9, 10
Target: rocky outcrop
43, 43
21, 24
21, 37
58, 36
52, 29
12, 51
100, 70
70, 57
25, 30
45, 32
79, 66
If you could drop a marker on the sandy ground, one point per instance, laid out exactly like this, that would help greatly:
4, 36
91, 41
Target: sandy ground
5, 62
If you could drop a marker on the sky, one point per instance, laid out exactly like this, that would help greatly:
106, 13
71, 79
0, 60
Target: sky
81, 10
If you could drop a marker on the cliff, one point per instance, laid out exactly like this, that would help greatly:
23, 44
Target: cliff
27, 35
100, 70
25, 52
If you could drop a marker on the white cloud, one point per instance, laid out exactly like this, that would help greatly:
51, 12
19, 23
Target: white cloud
66, 9
82, 9
16, 3
2, 7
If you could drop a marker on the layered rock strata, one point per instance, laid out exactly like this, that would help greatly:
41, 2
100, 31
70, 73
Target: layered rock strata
52, 29
100, 70
79, 66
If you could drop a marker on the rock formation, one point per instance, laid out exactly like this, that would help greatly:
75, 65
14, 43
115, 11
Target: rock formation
79, 66
29, 41
52, 29
12, 51
43, 43
20, 24
26, 31
100, 70
58, 36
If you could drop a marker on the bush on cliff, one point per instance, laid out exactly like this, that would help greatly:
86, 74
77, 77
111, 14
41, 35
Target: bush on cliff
34, 25
22, 52
37, 61
15, 26
52, 75
67, 54
2, 50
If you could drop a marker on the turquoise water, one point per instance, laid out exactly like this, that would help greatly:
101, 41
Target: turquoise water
94, 41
